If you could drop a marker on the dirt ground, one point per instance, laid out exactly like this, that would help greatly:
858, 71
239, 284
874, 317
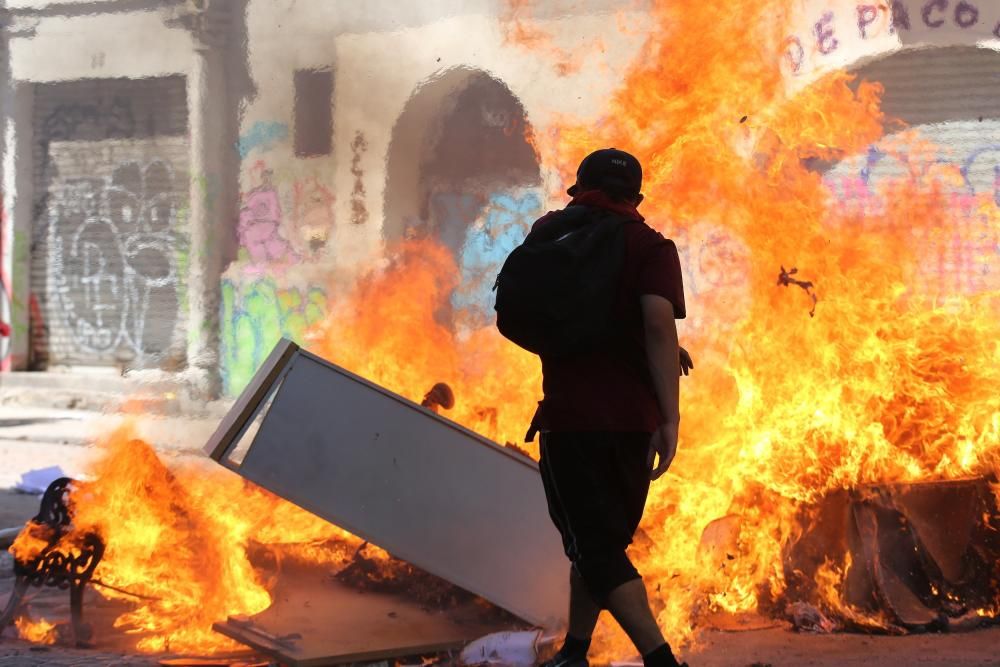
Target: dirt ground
784, 648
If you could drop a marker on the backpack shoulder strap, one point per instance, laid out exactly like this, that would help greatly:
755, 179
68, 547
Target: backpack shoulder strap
558, 223
572, 216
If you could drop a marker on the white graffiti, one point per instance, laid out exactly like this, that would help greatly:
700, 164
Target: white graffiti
112, 270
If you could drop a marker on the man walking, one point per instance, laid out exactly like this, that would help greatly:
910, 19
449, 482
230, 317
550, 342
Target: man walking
606, 411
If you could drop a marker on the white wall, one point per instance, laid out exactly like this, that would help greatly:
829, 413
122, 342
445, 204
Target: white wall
131, 44
377, 70
831, 34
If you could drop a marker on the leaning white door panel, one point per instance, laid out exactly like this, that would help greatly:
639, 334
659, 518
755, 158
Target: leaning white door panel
420, 486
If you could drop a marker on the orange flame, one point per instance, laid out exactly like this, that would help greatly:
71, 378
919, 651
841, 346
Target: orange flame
177, 542
830, 579
885, 383
396, 328
31, 542
39, 632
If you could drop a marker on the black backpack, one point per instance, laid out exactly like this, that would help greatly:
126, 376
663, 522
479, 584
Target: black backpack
556, 291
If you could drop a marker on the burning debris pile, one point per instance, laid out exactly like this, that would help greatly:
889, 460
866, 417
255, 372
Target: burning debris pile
175, 548
915, 557
51, 552
170, 525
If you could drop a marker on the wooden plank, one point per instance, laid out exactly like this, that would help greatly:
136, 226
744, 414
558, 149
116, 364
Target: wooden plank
246, 405
317, 621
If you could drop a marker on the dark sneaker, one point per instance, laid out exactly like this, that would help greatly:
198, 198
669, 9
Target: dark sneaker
559, 660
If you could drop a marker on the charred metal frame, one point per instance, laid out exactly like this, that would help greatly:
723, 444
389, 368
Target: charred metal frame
53, 567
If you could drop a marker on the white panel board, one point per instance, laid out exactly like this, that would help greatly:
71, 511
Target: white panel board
420, 486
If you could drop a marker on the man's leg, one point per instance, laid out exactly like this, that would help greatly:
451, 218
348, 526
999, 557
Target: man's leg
630, 607
628, 604
605, 568
596, 486
583, 611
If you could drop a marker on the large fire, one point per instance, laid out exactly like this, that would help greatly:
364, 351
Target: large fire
883, 383
178, 543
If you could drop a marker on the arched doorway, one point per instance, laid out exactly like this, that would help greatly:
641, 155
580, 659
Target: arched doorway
461, 170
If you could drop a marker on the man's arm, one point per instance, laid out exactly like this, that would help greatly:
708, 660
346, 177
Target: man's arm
663, 353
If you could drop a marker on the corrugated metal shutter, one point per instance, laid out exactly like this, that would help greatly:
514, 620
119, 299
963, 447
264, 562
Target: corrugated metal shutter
109, 241
951, 97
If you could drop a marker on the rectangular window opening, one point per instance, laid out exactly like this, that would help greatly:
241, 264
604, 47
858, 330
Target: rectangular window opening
313, 112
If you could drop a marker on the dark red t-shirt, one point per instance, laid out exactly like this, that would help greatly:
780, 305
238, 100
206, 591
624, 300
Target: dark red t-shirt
610, 389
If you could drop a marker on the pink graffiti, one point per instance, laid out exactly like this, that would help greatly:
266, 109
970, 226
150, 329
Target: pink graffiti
8, 299
312, 212
856, 190
260, 221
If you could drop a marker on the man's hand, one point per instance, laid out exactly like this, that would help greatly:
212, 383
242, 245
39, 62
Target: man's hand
686, 364
664, 445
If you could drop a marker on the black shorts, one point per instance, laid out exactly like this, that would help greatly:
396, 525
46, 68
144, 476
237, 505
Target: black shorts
596, 485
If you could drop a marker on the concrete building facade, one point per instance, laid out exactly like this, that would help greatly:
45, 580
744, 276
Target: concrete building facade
184, 180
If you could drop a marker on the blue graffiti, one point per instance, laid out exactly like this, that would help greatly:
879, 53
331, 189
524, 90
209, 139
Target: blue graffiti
454, 212
505, 221
859, 184
973, 160
263, 135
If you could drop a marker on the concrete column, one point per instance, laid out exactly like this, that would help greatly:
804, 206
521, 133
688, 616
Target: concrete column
205, 268
211, 212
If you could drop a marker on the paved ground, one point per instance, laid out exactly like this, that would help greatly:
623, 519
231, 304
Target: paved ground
33, 437
784, 648
19, 655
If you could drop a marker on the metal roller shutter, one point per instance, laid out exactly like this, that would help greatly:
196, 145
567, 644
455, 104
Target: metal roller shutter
950, 100
109, 243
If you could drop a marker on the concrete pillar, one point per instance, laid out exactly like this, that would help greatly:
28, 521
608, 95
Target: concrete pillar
205, 269
212, 215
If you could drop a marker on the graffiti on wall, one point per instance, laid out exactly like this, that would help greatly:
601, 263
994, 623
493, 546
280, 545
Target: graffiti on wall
260, 222
312, 215
284, 228
359, 209
5, 322
262, 135
6, 300
968, 177
860, 27
112, 269
961, 260
255, 315
488, 239
114, 119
